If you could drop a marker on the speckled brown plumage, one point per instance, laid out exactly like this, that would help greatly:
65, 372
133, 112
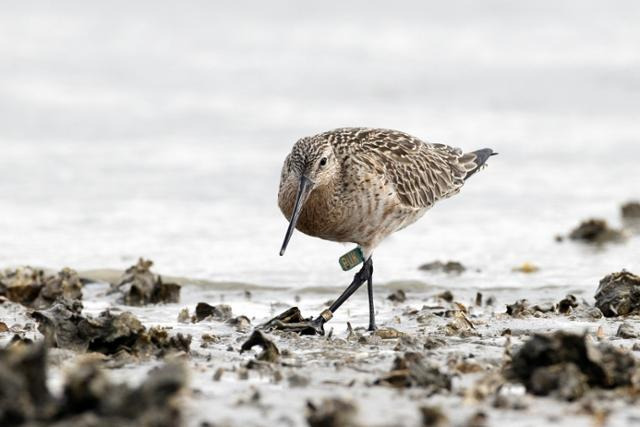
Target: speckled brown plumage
369, 183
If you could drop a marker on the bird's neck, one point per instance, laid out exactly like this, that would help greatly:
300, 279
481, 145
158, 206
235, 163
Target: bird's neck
325, 195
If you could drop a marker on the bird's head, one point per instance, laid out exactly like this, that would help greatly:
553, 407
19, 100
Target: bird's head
314, 159
310, 165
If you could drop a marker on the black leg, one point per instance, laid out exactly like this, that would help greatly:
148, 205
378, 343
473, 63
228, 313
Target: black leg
358, 280
316, 326
372, 313
361, 276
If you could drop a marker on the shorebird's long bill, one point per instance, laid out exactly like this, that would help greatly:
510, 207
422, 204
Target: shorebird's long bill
305, 187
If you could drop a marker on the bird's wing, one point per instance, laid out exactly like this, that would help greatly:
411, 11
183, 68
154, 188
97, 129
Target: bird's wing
421, 173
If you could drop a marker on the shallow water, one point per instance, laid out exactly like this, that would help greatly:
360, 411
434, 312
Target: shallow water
161, 131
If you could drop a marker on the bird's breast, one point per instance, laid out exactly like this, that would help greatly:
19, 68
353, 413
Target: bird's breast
320, 215
364, 212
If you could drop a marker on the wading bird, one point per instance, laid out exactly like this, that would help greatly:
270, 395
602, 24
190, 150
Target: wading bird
360, 185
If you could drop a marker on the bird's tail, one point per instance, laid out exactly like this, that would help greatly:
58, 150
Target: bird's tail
479, 160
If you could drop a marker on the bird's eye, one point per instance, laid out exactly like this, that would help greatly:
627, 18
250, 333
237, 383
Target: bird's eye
323, 161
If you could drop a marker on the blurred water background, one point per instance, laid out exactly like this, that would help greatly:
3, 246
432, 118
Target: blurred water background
158, 129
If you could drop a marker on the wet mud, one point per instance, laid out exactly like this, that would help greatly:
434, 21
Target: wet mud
596, 231
567, 365
35, 288
64, 326
332, 413
630, 211
140, 286
440, 356
619, 294
451, 267
415, 370
87, 397
270, 352
221, 312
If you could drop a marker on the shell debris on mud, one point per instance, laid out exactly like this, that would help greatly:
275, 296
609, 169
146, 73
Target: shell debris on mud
209, 355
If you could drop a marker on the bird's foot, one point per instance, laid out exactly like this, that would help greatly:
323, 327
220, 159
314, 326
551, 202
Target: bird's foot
292, 321
306, 327
372, 327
